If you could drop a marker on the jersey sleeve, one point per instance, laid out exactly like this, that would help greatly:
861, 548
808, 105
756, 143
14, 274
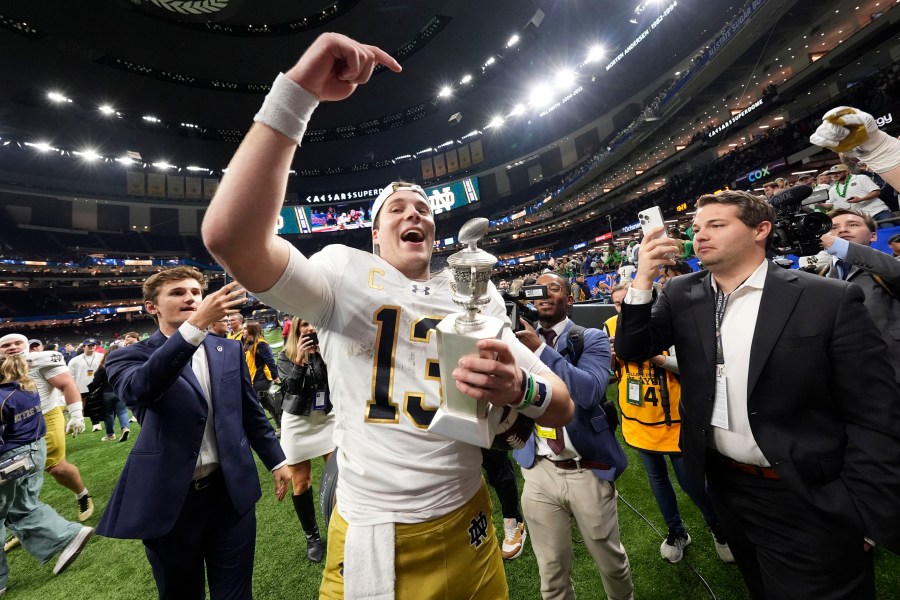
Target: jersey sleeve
49, 363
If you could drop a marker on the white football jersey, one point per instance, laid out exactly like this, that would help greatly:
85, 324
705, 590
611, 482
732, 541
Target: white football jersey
43, 366
376, 331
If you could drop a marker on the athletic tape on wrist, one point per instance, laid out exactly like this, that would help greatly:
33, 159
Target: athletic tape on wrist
540, 394
287, 108
884, 156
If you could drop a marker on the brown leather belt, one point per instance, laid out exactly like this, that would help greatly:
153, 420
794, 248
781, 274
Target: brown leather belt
755, 470
576, 465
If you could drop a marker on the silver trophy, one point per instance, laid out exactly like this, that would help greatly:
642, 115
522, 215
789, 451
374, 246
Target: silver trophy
461, 417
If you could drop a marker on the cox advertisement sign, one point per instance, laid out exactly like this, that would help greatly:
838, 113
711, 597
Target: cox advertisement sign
760, 175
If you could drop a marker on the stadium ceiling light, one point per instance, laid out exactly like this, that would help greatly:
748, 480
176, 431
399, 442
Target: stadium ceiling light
57, 97
193, 168
88, 154
125, 160
633, 21
445, 92
541, 95
490, 61
518, 109
595, 53
106, 109
162, 165
40, 146
150, 119
466, 79
496, 122
565, 79
513, 40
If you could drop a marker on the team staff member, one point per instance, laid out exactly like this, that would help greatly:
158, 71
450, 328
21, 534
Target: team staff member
56, 388
569, 471
403, 493
803, 463
190, 485
650, 402
42, 531
261, 363
235, 326
307, 424
83, 367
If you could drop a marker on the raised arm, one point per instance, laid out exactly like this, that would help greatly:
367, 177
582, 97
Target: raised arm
239, 227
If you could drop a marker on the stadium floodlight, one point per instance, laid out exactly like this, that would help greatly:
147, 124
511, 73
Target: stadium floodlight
496, 122
541, 95
125, 160
518, 109
490, 61
150, 119
57, 97
88, 154
513, 40
193, 168
445, 92
162, 165
106, 109
595, 53
466, 79
40, 146
565, 79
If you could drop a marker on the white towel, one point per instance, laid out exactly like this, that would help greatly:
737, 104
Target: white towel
369, 562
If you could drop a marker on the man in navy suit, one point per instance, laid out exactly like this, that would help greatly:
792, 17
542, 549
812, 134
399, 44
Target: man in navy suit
569, 471
790, 409
190, 485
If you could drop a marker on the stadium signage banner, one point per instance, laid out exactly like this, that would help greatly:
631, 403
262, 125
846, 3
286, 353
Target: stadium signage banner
735, 118
632, 227
355, 212
734, 27
759, 174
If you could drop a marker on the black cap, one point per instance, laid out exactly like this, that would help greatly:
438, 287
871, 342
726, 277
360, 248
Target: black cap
894, 238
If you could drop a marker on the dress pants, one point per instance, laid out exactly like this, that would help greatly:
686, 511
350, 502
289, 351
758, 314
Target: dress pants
550, 498
785, 550
209, 531
502, 477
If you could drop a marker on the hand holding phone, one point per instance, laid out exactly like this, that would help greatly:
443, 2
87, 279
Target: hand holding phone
313, 338
651, 219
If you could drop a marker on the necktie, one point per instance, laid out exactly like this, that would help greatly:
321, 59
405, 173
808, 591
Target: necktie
549, 336
558, 444
844, 267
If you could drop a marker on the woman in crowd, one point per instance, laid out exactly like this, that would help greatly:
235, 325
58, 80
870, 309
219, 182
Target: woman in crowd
113, 406
262, 367
307, 423
23, 452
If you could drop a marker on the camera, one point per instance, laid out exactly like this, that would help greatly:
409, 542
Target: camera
519, 305
798, 227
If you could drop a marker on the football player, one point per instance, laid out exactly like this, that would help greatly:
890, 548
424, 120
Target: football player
413, 514
57, 388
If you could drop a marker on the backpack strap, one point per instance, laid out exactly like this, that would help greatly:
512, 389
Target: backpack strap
574, 343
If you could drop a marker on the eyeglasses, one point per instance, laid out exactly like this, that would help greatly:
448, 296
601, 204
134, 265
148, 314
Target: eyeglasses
554, 288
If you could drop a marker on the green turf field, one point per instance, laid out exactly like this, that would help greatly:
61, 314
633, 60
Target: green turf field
113, 569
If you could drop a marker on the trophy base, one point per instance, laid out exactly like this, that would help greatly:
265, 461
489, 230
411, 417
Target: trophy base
470, 429
461, 417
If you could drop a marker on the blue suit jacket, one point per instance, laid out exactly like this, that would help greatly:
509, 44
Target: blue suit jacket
587, 381
166, 397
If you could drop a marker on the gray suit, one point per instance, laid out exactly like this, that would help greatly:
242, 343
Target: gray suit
883, 306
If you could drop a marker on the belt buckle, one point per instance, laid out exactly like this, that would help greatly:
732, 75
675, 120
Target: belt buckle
200, 484
577, 462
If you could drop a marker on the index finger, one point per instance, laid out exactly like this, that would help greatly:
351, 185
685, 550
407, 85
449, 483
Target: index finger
498, 350
384, 58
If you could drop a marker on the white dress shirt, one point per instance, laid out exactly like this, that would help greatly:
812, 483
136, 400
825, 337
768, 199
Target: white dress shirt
738, 325
208, 460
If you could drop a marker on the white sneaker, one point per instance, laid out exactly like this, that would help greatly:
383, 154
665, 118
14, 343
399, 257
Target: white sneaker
95, 428
672, 548
724, 553
132, 419
73, 549
12, 542
514, 535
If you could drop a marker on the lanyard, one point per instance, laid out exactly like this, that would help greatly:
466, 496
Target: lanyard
721, 305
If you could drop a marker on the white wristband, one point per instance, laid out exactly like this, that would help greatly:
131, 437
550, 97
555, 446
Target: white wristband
884, 154
75, 409
542, 397
287, 108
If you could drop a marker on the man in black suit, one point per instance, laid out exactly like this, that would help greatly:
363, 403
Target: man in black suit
190, 485
790, 409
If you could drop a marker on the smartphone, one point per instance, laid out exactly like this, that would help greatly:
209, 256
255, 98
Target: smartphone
313, 337
652, 218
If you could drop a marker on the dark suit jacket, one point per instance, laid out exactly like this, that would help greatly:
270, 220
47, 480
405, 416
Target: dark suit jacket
883, 306
154, 379
587, 381
823, 404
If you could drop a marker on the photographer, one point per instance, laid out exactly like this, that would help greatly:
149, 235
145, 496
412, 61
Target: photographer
23, 453
853, 259
569, 471
307, 423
